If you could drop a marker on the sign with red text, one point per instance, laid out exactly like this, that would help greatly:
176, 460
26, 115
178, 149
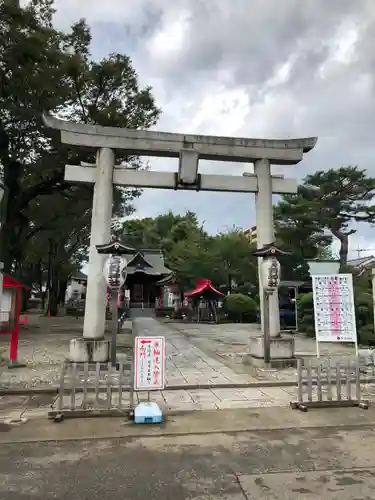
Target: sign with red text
149, 363
334, 309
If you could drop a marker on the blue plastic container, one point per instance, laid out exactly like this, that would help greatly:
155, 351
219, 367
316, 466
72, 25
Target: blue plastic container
148, 413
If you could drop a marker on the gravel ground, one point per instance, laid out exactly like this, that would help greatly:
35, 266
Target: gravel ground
44, 345
43, 356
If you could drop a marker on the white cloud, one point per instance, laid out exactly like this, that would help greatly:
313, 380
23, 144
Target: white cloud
169, 40
251, 68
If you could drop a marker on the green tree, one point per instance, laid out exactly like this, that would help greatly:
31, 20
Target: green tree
163, 231
299, 234
29, 58
191, 259
181, 238
236, 265
191, 253
41, 69
333, 200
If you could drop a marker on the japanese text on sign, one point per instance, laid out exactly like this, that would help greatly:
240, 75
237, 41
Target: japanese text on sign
149, 363
334, 308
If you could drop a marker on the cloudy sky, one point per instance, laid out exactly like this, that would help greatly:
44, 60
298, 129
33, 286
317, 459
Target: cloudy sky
250, 68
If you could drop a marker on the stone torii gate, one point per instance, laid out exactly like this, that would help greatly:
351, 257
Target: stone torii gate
189, 149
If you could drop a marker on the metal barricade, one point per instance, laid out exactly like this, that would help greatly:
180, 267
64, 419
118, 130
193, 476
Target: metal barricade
329, 383
94, 389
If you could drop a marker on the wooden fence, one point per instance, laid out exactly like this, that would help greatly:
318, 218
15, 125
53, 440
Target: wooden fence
326, 383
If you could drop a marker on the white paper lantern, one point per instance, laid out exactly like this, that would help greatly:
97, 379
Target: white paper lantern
270, 273
115, 271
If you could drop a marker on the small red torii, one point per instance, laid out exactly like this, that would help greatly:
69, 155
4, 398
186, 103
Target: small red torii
204, 289
10, 319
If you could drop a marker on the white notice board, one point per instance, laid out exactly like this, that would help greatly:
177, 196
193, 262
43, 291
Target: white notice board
334, 308
149, 363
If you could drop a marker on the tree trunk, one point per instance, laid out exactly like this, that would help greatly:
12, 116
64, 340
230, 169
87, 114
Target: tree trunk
54, 294
344, 245
344, 249
49, 274
40, 285
53, 279
230, 284
6, 252
53, 302
12, 219
62, 290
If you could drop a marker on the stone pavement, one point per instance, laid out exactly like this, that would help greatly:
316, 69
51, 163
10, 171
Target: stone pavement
218, 399
172, 401
177, 401
228, 455
229, 343
186, 364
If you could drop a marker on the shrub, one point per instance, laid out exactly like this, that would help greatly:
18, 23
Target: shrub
366, 335
240, 308
305, 307
364, 316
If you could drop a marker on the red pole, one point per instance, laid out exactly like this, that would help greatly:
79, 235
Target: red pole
15, 333
14, 346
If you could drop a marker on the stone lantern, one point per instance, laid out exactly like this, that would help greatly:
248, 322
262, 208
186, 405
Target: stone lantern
270, 266
269, 281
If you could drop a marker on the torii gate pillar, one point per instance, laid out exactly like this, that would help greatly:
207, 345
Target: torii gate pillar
100, 233
93, 347
265, 236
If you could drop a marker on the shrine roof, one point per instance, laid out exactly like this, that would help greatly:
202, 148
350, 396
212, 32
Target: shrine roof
203, 286
362, 261
147, 261
171, 279
9, 282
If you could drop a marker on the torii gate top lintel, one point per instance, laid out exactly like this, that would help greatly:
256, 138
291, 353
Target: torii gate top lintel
165, 144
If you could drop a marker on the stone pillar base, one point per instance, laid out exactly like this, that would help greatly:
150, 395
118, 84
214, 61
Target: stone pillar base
282, 352
89, 350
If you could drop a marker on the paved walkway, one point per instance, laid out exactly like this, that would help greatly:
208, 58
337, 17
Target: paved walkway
186, 364
229, 343
219, 399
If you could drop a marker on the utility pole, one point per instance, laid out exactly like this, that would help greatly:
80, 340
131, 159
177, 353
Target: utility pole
360, 250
